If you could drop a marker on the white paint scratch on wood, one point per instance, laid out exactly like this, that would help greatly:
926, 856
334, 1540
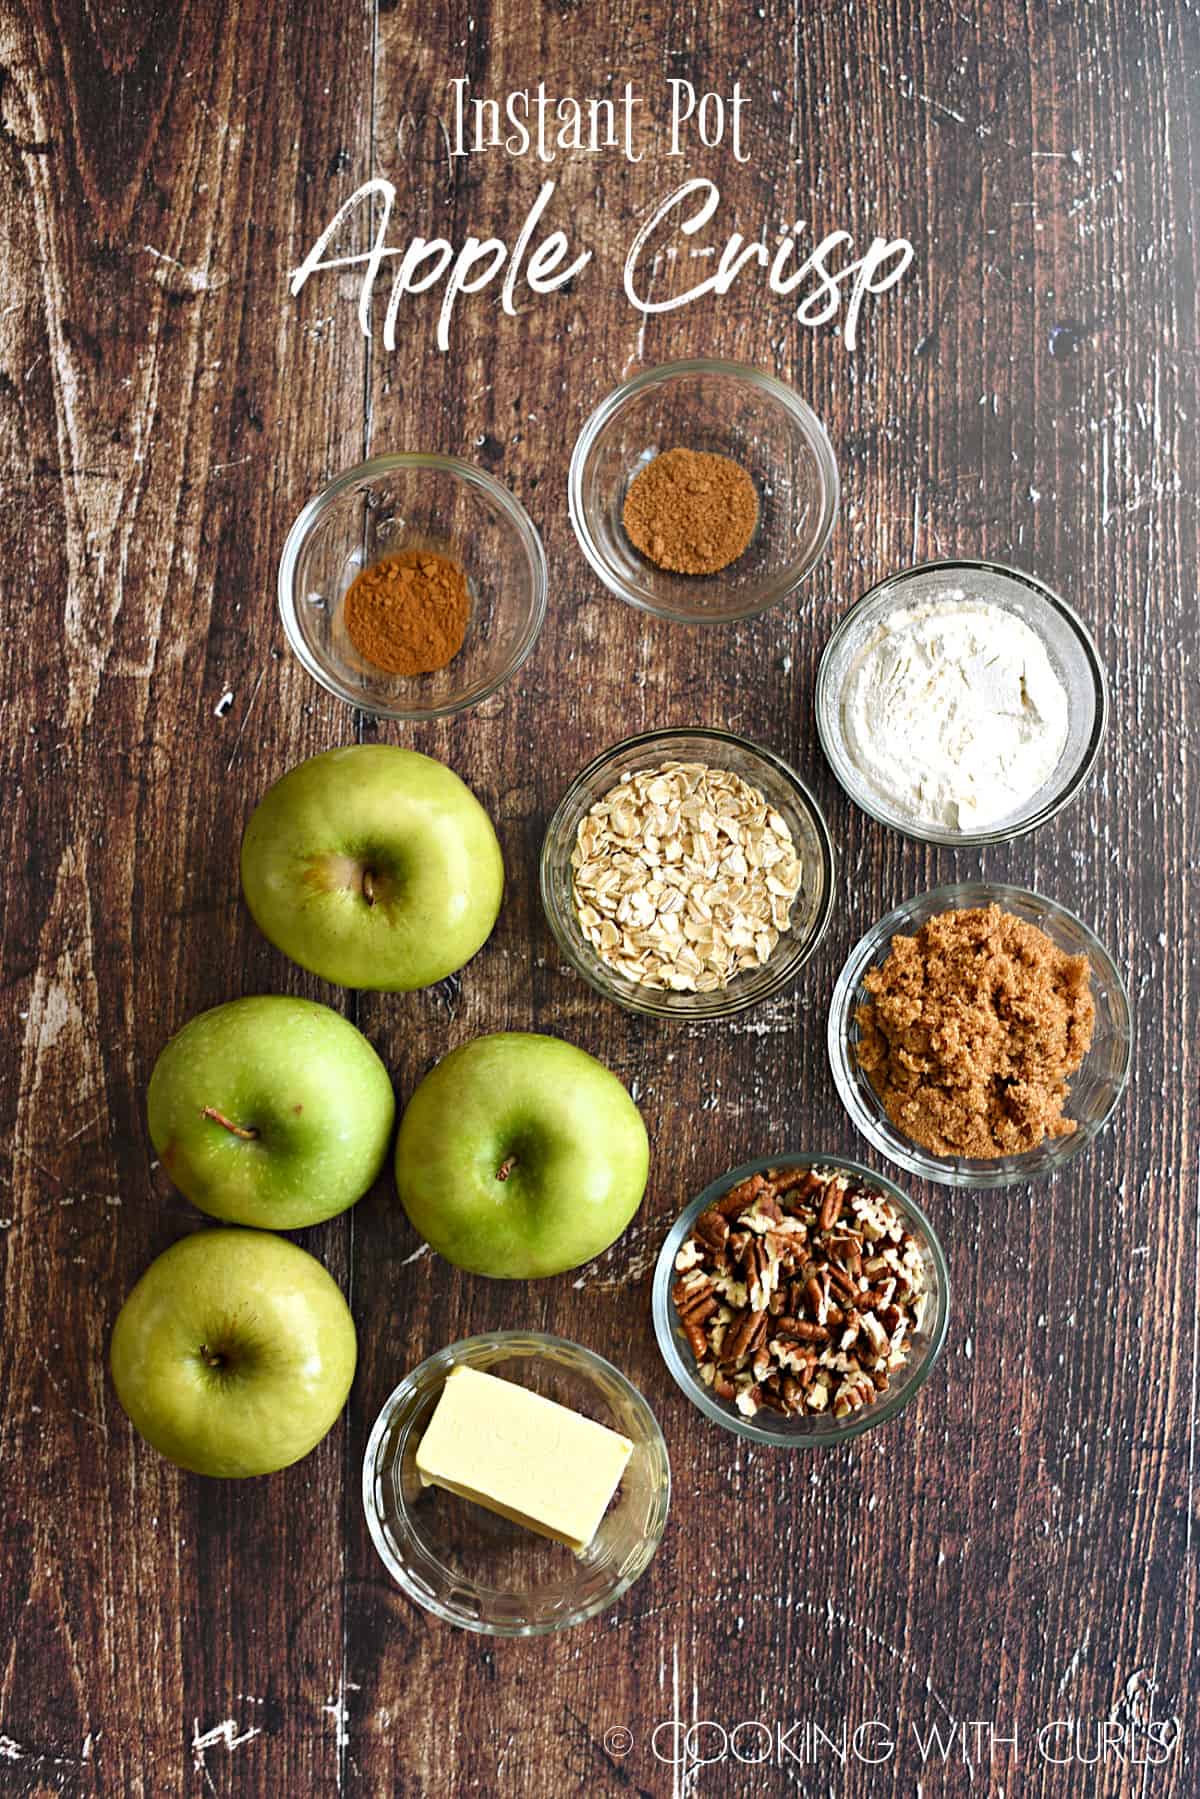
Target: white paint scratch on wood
676, 1783
237, 742
339, 1711
1072, 1667
227, 1732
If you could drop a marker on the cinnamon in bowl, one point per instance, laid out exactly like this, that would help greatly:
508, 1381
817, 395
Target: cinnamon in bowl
407, 614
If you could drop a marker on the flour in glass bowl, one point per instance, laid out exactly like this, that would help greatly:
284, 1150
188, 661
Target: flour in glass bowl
953, 714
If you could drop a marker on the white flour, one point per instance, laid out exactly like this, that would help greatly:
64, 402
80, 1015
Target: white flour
953, 714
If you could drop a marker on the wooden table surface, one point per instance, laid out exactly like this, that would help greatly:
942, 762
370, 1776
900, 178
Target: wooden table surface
1019, 1549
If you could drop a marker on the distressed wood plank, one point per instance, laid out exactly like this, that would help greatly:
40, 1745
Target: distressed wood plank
1020, 1546
157, 172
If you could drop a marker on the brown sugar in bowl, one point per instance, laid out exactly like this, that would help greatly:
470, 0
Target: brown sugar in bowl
1093, 1090
971, 1031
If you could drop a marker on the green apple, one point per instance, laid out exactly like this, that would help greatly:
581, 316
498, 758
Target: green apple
374, 867
234, 1353
520, 1156
271, 1111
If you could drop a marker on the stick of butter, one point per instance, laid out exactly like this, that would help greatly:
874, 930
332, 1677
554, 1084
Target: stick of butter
533, 1461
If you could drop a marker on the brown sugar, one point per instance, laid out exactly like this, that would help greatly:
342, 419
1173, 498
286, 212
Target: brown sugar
691, 511
972, 1030
408, 613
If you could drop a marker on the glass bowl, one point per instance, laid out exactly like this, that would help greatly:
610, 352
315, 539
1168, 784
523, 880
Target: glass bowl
814, 1430
737, 412
1094, 1089
423, 502
477, 1570
1068, 644
783, 789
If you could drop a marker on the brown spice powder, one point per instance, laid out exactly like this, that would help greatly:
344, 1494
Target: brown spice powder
407, 614
971, 1031
691, 511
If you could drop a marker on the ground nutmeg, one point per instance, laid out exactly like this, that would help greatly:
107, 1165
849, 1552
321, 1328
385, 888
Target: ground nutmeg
691, 511
407, 613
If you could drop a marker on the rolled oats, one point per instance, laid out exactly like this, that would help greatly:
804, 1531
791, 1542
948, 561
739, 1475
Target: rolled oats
684, 876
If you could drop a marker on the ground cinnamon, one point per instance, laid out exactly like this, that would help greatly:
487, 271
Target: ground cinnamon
971, 1030
691, 511
407, 614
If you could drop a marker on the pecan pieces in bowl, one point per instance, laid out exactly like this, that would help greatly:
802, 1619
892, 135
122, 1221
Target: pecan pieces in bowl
800, 1290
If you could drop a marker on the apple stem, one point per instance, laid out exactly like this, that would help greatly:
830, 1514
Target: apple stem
506, 1167
212, 1357
238, 1130
368, 887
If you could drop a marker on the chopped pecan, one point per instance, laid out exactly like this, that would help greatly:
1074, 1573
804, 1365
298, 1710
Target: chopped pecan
874, 1332
800, 1291
694, 1302
802, 1330
844, 1248
739, 1198
761, 1275
783, 1246
848, 1288
797, 1182
856, 1390
743, 1337
765, 1210
712, 1228
748, 1401
831, 1205
794, 1388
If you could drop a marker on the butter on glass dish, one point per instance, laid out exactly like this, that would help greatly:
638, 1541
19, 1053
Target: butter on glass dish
522, 1456
961, 703
498, 1547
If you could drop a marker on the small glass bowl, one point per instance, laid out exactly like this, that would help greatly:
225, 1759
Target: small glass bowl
817, 1430
783, 789
1093, 1091
475, 1569
1068, 644
402, 502
737, 412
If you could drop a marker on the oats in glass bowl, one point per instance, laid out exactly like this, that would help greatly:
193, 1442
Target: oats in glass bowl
684, 876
